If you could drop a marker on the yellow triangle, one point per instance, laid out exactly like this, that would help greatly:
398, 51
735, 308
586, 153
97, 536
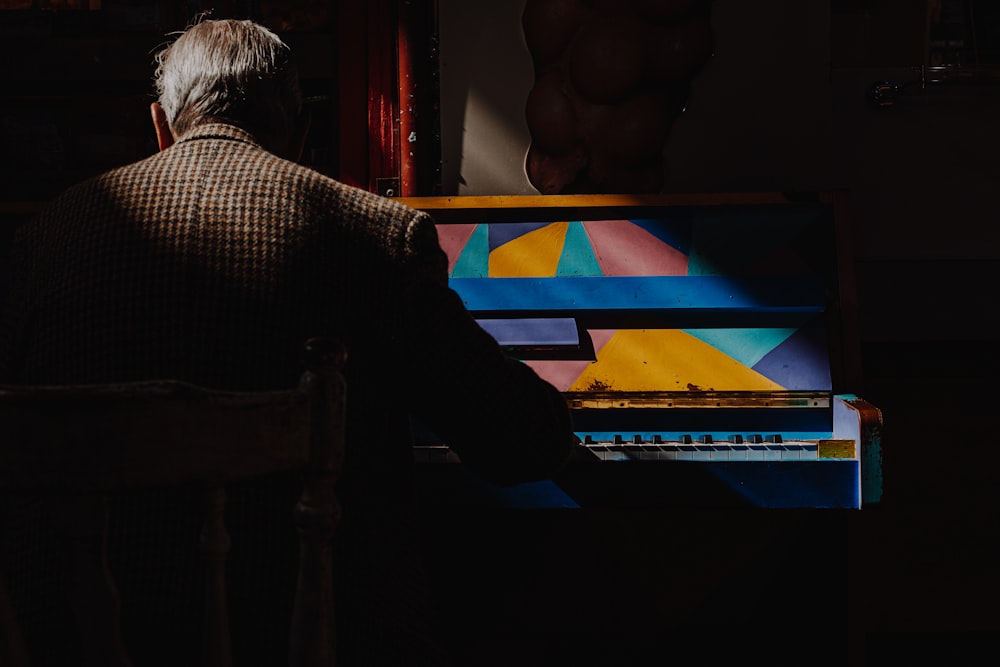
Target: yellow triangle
534, 255
666, 360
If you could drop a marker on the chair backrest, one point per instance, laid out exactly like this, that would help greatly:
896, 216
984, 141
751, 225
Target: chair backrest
74, 444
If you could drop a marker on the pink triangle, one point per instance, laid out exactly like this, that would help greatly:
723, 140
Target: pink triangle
625, 249
562, 373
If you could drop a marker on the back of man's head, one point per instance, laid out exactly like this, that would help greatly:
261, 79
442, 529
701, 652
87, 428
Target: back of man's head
230, 71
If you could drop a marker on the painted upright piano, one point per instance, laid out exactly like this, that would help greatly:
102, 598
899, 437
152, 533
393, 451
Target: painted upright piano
706, 344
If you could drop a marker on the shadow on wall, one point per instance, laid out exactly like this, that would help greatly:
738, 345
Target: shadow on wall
485, 77
756, 109
610, 80
588, 89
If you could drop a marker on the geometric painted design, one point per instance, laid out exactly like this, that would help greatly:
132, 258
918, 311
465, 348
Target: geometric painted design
666, 360
453, 238
502, 234
563, 373
747, 345
624, 249
706, 243
534, 254
472, 260
784, 363
578, 255
676, 232
743, 245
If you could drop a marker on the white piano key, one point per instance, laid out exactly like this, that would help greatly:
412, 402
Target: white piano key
668, 453
773, 452
738, 453
701, 453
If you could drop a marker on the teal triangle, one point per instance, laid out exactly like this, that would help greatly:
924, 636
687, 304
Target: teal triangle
577, 258
747, 346
474, 262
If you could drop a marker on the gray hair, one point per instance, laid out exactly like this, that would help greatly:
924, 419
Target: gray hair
228, 70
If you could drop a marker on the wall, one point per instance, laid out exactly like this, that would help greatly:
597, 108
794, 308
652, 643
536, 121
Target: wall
758, 118
921, 174
486, 74
781, 107
785, 106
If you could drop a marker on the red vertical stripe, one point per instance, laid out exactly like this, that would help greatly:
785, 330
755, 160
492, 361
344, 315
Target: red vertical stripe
410, 139
383, 92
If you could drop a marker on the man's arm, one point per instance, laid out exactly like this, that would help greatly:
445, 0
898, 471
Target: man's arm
503, 421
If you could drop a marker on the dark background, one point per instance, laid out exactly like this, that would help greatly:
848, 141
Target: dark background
914, 581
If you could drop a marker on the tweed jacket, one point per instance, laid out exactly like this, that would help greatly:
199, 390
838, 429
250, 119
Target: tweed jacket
212, 261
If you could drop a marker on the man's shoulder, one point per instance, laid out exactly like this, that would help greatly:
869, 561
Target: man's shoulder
162, 175
95, 192
352, 203
371, 204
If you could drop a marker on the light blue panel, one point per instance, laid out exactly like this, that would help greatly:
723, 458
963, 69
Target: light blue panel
747, 346
533, 331
577, 257
474, 262
540, 297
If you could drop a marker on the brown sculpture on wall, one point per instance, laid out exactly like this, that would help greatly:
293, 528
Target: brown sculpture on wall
611, 77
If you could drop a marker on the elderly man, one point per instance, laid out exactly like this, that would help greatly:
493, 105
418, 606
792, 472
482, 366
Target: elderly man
212, 261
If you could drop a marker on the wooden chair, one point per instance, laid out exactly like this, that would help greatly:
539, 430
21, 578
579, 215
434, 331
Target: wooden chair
78, 443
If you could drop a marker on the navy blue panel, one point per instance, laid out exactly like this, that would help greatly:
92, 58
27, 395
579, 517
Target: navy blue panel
787, 363
451, 484
790, 484
655, 485
501, 234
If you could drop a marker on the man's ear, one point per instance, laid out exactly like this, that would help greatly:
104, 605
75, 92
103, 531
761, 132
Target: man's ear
164, 135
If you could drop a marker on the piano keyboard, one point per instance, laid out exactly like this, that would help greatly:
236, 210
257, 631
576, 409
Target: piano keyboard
688, 447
